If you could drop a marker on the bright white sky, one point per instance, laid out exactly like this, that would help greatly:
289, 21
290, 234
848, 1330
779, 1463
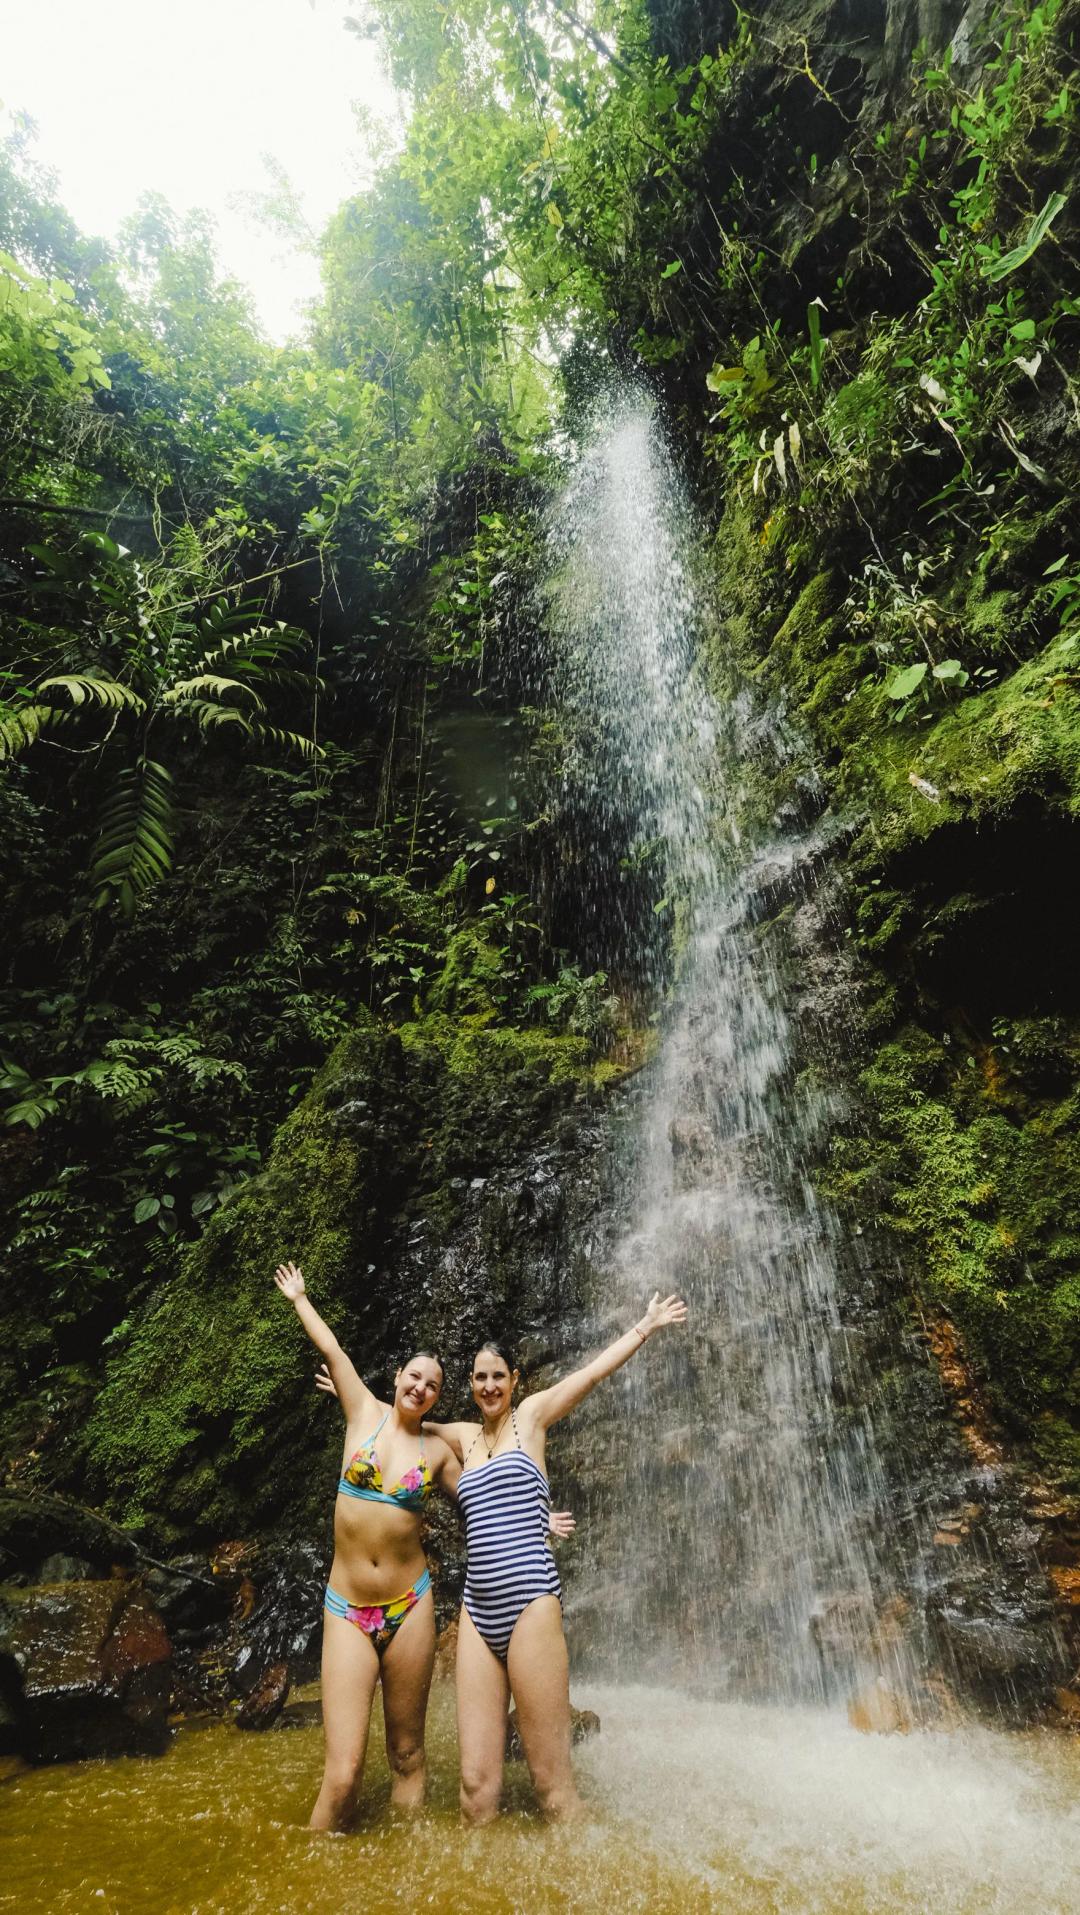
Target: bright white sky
184, 97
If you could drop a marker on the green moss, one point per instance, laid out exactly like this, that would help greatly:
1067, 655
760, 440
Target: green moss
208, 1408
472, 971
991, 1204
194, 1421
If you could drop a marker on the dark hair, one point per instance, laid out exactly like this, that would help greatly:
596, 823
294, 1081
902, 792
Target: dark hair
432, 1355
497, 1349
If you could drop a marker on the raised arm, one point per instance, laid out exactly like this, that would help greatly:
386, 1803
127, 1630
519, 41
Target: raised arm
547, 1406
351, 1390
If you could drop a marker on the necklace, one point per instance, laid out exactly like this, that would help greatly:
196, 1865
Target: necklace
492, 1446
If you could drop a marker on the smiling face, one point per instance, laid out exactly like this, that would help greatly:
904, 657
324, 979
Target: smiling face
492, 1384
418, 1385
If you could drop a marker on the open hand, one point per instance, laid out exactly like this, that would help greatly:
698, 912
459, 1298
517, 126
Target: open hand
290, 1280
561, 1524
324, 1380
660, 1313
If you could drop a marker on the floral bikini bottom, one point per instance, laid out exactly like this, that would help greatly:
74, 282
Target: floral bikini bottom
379, 1621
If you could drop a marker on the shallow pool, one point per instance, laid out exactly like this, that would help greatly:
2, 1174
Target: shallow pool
692, 1805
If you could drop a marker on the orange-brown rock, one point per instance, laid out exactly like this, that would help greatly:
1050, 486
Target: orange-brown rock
1066, 1580
1068, 1702
878, 1710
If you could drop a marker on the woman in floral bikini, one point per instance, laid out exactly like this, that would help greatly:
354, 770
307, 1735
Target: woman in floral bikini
379, 1576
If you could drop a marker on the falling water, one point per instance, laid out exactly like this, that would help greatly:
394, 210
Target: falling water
745, 1542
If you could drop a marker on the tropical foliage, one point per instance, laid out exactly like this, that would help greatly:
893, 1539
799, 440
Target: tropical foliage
272, 720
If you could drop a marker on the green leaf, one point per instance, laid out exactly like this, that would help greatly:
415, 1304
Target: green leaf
997, 268
146, 1208
101, 542
674, 266
907, 682
134, 846
81, 686
813, 321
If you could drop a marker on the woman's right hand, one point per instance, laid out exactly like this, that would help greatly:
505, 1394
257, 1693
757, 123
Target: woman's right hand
290, 1280
324, 1381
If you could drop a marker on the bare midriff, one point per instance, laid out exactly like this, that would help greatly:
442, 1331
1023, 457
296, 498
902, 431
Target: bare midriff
377, 1551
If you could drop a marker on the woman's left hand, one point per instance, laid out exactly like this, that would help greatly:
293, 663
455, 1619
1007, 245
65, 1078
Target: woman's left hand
561, 1524
660, 1313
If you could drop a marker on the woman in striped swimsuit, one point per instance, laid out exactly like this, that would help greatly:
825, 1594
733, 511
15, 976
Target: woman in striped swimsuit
510, 1639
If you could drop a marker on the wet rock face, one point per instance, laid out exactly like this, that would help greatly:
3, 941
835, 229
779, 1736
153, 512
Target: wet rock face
584, 1723
989, 1605
85, 1670
267, 1699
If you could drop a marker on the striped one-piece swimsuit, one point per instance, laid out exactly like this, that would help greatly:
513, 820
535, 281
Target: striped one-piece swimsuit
506, 1503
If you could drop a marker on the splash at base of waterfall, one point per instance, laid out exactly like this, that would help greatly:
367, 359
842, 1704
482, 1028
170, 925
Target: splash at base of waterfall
792, 1810
725, 1807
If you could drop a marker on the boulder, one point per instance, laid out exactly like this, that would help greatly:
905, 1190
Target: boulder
85, 1670
190, 1599
267, 1699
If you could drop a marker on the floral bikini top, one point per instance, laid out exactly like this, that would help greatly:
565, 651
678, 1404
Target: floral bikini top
363, 1478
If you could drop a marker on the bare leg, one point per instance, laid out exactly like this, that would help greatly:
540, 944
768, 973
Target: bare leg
350, 1670
539, 1671
406, 1681
483, 1703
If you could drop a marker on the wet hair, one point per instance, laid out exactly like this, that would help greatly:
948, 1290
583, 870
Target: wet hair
496, 1349
432, 1355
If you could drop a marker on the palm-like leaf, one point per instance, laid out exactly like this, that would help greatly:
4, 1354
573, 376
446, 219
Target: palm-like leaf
19, 727
265, 645
208, 685
209, 716
82, 687
292, 740
135, 844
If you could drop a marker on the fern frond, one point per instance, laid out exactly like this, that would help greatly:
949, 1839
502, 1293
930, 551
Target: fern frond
209, 684
135, 845
292, 740
208, 715
253, 650
20, 725
100, 691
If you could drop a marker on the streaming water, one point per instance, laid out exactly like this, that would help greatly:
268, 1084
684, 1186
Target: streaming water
748, 1548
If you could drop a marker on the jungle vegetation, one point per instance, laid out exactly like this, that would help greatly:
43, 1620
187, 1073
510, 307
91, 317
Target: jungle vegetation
275, 756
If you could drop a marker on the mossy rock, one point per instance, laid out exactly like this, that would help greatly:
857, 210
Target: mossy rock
208, 1423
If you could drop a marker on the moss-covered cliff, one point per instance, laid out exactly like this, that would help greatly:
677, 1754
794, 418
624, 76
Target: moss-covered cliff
870, 341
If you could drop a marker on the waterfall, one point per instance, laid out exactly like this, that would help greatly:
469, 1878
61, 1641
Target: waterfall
737, 1536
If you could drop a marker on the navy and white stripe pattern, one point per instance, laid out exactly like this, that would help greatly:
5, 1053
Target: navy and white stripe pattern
506, 1503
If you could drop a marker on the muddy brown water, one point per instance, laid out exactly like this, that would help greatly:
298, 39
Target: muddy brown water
691, 1804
